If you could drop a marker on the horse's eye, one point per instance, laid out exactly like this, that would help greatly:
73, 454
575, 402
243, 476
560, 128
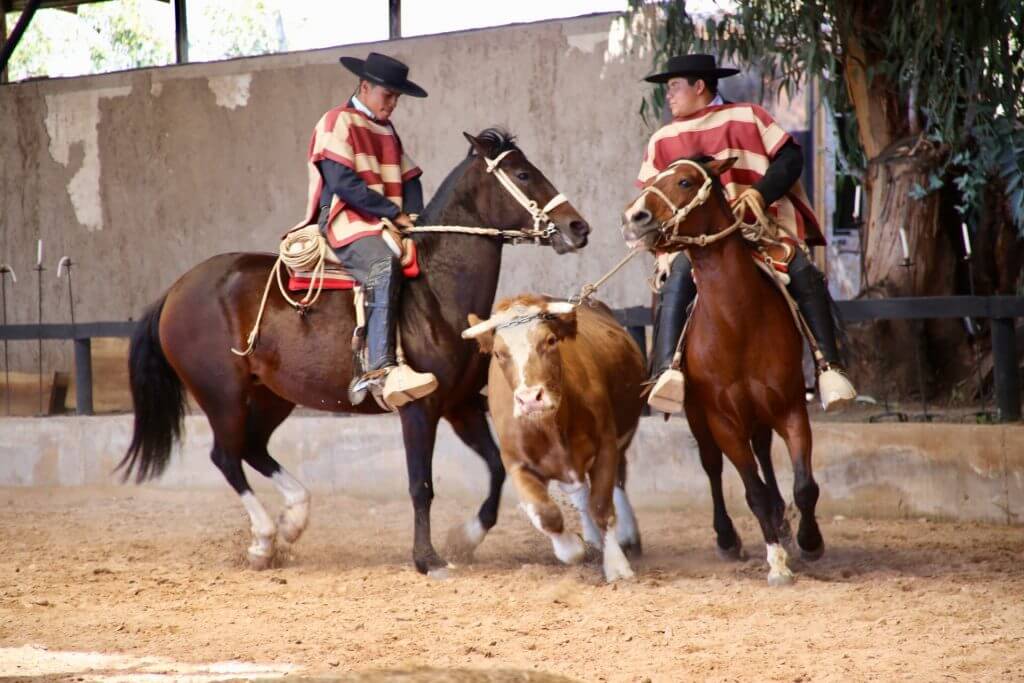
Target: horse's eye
684, 183
523, 175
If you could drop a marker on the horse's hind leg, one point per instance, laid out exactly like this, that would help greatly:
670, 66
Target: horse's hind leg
737, 447
762, 445
470, 425
267, 411
796, 431
729, 544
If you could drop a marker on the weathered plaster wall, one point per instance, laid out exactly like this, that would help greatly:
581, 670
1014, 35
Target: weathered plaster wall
140, 175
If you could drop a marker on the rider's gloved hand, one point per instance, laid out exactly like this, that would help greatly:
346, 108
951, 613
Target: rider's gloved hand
402, 220
751, 195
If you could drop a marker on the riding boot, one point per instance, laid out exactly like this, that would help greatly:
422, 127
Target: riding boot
674, 299
808, 289
397, 384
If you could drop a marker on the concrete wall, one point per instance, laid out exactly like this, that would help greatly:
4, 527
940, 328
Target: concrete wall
140, 175
935, 470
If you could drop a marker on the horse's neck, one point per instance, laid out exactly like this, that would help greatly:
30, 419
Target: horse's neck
726, 275
462, 270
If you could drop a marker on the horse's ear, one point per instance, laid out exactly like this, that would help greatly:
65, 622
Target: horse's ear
475, 144
720, 166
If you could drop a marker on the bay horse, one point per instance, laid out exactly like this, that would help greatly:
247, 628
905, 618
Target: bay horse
741, 357
184, 341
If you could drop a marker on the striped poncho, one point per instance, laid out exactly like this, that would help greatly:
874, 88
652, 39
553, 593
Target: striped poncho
371, 149
747, 132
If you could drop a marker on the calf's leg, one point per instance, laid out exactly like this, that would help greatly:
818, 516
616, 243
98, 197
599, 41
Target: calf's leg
544, 513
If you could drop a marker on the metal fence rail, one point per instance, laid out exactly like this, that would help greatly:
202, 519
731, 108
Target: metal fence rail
1000, 310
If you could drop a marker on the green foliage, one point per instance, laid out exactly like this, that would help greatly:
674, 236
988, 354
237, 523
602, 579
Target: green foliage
125, 40
29, 60
238, 29
958, 66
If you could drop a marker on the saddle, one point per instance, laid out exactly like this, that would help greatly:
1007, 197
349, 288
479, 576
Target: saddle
309, 238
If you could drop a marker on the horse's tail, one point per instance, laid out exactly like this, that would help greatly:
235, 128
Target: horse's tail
158, 398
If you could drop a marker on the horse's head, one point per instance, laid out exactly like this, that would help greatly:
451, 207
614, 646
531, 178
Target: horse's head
512, 194
684, 200
522, 336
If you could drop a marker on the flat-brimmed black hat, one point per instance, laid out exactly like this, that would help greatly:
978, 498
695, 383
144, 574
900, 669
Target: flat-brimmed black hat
693, 66
384, 70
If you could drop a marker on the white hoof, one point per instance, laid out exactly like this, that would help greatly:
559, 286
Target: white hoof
779, 573
569, 548
616, 566
261, 553
464, 539
293, 521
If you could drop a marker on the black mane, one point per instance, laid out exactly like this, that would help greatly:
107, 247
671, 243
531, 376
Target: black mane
496, 140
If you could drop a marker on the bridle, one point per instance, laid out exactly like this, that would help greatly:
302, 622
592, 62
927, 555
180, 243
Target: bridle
666, 229
538, 214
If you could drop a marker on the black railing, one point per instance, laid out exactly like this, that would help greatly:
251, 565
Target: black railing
1000, 310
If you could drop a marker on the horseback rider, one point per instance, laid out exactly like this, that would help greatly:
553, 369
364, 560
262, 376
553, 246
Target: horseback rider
360, 179
767, 173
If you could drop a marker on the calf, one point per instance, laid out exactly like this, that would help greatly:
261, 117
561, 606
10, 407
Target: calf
564, 391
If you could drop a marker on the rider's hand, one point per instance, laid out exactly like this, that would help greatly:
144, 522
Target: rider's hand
402, 220
752, 195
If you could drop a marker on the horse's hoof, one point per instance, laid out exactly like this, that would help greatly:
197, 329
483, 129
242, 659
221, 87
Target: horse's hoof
440, 574
812, 555
633, 549
463, 540
260, 561
781, 579
429, 563
734, 553
292, 522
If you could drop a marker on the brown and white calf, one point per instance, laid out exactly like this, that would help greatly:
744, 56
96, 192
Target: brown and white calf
564, 391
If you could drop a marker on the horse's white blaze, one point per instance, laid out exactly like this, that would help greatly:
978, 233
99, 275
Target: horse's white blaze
579, 494
263, 527
638, 205
296, 500
568, 547
778, 567
616, 566
626, 531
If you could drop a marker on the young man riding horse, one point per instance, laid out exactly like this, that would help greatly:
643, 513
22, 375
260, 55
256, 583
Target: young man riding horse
360, 177
767, 175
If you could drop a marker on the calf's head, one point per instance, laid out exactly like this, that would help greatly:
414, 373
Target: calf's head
523, 337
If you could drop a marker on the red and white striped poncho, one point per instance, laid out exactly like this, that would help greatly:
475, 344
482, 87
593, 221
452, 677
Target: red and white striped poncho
744, 131
371, 149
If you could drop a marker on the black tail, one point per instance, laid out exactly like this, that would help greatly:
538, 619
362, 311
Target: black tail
159, 400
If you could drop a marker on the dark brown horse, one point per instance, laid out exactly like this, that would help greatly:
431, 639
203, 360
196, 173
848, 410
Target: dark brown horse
742, 357
184, 341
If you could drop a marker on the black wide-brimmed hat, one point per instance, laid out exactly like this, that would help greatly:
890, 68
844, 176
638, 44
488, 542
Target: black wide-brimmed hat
693, 66
383, 70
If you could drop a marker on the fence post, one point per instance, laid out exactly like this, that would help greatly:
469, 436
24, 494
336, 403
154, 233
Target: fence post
83, 376
1004, 369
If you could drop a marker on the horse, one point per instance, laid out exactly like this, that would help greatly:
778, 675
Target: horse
185, 338
741, 358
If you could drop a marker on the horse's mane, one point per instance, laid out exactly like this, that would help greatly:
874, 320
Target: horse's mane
496, 140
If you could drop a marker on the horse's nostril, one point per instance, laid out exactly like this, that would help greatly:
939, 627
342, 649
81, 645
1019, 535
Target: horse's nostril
580, 228
640, 217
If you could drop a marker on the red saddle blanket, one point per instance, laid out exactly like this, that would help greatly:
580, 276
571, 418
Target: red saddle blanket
336, 277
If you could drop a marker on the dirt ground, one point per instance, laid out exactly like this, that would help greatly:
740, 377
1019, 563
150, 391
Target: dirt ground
160, 574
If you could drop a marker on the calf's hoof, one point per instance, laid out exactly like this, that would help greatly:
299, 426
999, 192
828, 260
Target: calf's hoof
777, 579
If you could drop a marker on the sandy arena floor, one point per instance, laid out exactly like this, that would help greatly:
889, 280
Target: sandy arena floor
143, 573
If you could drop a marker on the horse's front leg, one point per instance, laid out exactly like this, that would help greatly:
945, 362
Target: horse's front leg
419, 431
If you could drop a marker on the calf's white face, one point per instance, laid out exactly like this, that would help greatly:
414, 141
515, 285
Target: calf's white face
523, 339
